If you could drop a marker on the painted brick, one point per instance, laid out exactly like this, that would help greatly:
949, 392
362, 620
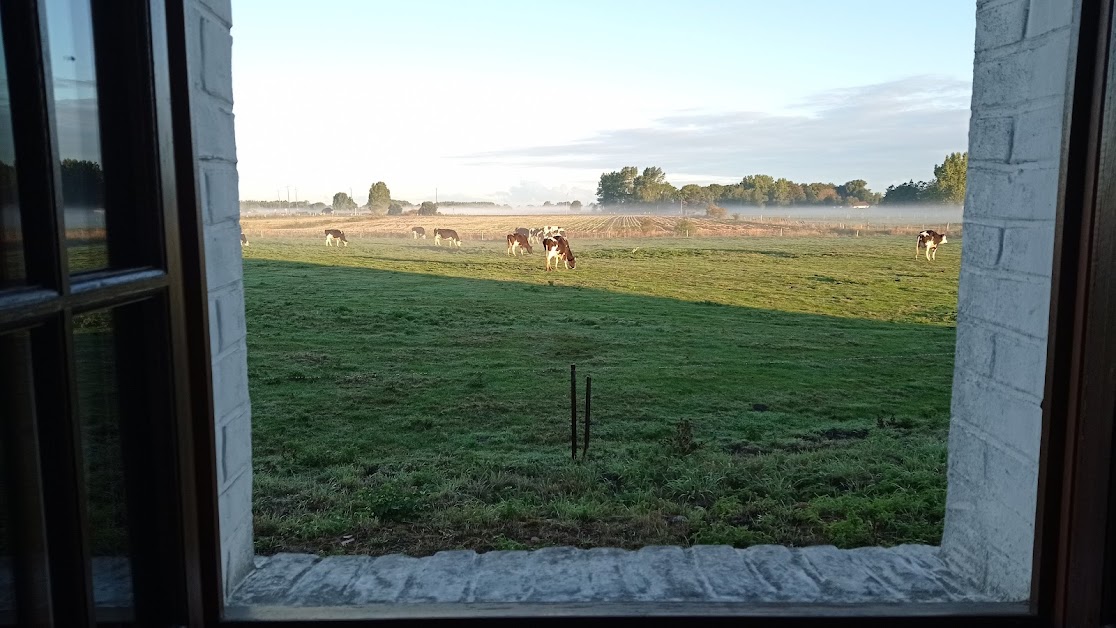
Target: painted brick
999, 529
229, 324
1020, 364
1029, 194
982, 245
1022, 76
217, 59
220, 193
223, 262
974, 347
213, 130
1019, 304
230, 384
994, 470
990, 139
1038, 135
1015, 421
1047, 15
236, 553
214, 330
235, 503
221, 8
1028, 248
1000, 24
235, 448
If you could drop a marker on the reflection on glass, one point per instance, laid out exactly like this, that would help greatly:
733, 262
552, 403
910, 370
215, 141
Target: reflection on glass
11, 240
74, 79
98, 409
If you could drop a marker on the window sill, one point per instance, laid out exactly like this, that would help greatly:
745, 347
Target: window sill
819, 575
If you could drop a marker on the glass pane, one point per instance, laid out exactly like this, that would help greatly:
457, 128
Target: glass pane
11, 241
98, 409
74, 80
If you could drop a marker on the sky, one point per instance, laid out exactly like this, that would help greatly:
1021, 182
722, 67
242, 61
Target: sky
522, 102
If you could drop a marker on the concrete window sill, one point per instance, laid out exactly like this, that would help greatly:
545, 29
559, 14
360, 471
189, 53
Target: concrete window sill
706, 573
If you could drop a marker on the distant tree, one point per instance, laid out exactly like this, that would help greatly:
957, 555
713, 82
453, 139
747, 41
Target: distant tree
949, 178
428, 209
327, 210
615, 188
547, 204
379, 198
343, 202
695, 194
907, 193
83, 183
715, 211
395, 209
575, 206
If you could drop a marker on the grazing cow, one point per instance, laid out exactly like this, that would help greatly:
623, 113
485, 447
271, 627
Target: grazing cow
929, 239
418, 232
558, 249
534, 236
523, 231
335, 237
243, 239
551, 231
518, 241
446, 234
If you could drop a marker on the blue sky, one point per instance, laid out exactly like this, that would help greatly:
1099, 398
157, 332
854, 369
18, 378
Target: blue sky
525, 102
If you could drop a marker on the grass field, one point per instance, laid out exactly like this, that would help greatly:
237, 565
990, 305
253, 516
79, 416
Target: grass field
408, 398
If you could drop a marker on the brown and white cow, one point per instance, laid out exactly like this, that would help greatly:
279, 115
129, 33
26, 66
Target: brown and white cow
929, 239
335, 237
518, 241
558, 249
550, 231
243, 239
418, 232
446, 234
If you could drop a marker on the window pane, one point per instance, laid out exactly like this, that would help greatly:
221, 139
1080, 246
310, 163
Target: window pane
102, 452
73, 68
11, 240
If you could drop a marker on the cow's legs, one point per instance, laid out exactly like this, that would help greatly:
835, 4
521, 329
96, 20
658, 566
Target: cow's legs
928, 254
934, 255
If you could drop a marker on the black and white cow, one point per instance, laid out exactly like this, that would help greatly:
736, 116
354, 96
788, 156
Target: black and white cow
418, 232
518, 241
929, 239
534, 236
523, 231
335, 237
558, 249
446, 234
243, 239
550, 231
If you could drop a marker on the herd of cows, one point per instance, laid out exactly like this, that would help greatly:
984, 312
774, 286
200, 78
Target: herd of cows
557, 247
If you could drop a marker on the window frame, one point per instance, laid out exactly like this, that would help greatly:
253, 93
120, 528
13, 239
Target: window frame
1073, 576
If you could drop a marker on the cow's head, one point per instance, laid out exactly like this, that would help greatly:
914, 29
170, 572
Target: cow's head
944, 240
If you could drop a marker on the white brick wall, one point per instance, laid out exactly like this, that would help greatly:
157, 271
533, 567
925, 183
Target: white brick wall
210, 65
1020, 78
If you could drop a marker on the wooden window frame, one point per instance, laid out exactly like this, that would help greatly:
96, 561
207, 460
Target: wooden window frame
1074, 580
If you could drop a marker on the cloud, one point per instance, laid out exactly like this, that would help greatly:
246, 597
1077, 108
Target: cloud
884, 133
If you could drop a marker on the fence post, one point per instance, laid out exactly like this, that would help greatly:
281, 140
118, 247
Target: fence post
588, 395
573, 412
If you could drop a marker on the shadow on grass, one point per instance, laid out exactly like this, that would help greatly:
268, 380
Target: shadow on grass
408, 412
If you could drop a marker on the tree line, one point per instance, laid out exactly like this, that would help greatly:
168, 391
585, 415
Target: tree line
628, 186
